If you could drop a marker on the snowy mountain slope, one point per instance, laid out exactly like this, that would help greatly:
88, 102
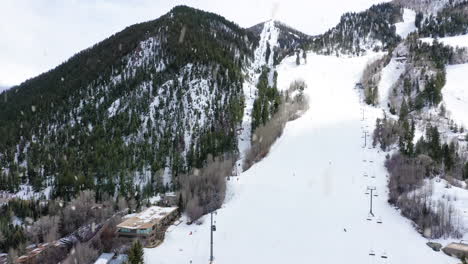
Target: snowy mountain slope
306, 200
157, 96
389, 76
287, 41
356, 33
455, 93
404, 28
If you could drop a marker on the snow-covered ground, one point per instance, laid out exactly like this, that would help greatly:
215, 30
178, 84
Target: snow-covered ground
389, 76
456, 41
306, 202
453, 198
455, 93
403, 29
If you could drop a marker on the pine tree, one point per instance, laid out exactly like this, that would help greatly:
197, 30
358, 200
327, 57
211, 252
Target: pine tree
434, 148
403, 110
304, 56
267, 53
448, 158
298, 58
465, 172
406, 139
135, 255
419, 18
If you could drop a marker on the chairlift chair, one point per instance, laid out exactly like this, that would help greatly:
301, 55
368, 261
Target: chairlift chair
375, 193
371, 253
379, 220
369, 217
384, 255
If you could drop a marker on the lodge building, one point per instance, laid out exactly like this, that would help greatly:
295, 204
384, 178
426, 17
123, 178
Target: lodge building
150, 225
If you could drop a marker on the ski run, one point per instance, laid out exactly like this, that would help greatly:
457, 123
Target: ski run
307, 201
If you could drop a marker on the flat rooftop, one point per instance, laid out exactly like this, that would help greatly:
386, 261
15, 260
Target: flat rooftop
458, 246
147, 218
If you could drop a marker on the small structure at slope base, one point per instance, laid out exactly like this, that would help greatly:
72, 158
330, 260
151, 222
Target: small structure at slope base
150, 225
456, 250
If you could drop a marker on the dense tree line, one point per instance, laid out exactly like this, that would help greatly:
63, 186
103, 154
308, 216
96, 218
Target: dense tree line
450, 21
408, 168
373, 28
293, 104
432, 58
370, 79
418, 88
268, 98
203, 191
12, 233
289, 40
424, 77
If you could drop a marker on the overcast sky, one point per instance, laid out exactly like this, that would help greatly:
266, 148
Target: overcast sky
37, 35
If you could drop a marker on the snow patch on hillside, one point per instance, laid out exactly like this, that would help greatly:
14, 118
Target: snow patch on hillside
403, 29
456, 41
448, 200
390, 75
455, 93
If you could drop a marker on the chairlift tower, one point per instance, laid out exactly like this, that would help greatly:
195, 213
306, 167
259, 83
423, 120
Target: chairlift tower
371, 189
366, 134
212, 229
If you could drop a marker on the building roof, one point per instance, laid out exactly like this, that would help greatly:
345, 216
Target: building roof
120, 259
147, 218
458, 246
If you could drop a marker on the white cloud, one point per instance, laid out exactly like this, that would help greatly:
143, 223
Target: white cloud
37, 35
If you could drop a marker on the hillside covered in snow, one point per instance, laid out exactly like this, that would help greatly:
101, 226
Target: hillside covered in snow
348, 146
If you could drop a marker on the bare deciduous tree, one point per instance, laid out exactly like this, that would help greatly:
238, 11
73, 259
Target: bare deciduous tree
409, 193
293, 104
82, 253
204, 190
45, 229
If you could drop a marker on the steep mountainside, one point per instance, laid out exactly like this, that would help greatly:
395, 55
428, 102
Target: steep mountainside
427, 6
289, 40
372, 29
146, 104
450, 21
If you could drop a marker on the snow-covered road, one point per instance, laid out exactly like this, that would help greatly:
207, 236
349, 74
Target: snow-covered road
294, 206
